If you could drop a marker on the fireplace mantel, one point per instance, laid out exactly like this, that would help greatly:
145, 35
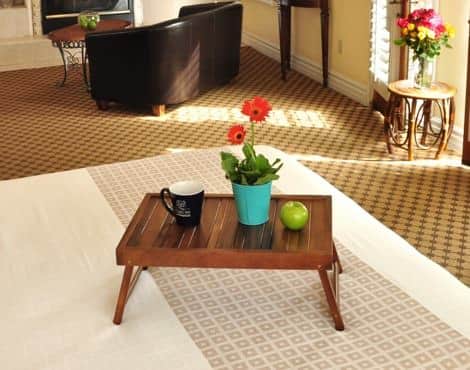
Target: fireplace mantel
36, 17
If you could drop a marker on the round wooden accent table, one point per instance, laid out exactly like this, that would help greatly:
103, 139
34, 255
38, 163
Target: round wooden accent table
73, 37
408, 117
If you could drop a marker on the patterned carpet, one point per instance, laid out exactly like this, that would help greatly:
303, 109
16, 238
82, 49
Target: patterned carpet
46, 128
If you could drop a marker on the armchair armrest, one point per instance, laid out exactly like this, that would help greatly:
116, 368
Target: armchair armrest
118, 62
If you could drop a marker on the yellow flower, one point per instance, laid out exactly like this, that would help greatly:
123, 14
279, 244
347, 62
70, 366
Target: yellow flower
411, 26
404, 31
421, 35
431, 34
450, 30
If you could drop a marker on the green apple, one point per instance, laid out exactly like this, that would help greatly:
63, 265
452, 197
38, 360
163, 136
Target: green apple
294, 215
83, 22
92, 25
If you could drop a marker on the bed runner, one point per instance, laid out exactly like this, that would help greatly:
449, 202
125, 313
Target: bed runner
248, 319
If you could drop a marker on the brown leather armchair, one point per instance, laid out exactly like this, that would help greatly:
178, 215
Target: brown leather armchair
169, 62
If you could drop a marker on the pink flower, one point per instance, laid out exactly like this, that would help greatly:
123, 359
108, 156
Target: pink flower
402, 22
427, 18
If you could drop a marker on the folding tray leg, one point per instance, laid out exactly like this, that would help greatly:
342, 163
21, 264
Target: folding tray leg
336, 258
332, 294
127, 285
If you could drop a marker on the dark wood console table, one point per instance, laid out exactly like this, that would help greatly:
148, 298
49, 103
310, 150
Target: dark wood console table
284, 13
466, 140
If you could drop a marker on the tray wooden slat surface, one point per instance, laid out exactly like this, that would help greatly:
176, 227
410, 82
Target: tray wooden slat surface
220, 241
154, 238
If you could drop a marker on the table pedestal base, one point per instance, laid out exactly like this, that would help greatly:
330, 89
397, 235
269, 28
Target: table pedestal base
68, 51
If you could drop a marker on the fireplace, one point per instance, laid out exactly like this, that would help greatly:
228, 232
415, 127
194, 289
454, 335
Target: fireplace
60, 13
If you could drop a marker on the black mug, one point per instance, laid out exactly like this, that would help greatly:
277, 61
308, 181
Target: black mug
186, 202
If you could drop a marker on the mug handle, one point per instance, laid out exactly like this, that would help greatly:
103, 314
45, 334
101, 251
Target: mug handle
163, 198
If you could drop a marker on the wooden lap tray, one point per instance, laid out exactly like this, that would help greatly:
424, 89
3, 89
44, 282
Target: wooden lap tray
154, 239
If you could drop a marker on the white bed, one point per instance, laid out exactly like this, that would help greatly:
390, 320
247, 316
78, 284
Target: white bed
59, 280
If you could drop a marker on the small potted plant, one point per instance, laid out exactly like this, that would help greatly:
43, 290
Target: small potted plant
424, 32
251, 176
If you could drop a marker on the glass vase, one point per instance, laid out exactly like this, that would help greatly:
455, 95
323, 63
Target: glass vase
423, 71
88, 20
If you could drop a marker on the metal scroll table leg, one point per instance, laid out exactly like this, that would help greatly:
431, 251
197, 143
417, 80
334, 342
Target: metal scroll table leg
61, 51
84, 66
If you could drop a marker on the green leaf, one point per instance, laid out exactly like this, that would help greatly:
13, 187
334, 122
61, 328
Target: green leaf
230, 166
252, 170
225, 155
276, 170
266, 178
250, 173
262, 163
229, 162
249, 152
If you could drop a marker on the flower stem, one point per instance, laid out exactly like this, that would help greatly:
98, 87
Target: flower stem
252, 134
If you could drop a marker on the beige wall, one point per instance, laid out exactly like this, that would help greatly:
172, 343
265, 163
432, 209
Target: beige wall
158, 11
452, 64
349, 25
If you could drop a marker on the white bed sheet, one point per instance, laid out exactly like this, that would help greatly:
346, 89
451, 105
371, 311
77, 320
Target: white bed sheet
380, 247
59, 283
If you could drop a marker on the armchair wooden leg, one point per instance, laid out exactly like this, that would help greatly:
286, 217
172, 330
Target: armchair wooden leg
158, 110
102, 104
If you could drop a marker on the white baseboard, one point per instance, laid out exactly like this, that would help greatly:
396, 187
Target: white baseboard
27, 52
352, 89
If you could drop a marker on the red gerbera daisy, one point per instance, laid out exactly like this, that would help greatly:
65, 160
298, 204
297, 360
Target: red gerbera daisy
257, 109
236, 134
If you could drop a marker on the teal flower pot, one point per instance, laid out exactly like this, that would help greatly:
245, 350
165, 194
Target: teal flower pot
252, 202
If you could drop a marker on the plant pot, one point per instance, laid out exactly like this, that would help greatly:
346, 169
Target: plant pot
252, 202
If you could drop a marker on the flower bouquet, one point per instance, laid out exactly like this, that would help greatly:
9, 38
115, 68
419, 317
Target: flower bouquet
424, 32
251, 176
